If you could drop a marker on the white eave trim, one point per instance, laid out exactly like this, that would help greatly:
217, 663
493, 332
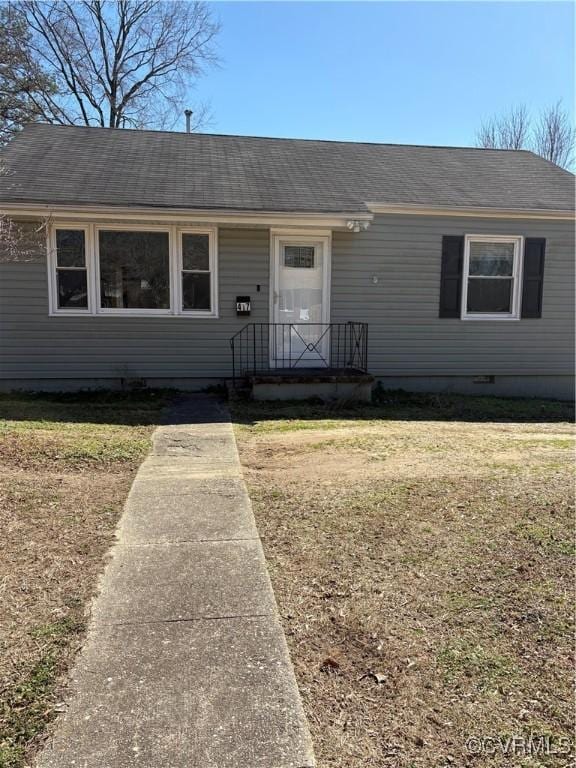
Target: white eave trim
186, 216
477, 212
271, 218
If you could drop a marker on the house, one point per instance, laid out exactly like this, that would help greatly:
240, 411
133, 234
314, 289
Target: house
430, 268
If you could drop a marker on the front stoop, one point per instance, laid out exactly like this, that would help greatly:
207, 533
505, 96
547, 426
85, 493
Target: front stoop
186, 664
349, 386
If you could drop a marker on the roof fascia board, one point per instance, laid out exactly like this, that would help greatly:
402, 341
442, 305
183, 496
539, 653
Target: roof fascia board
106, 213
271, 218
477, 212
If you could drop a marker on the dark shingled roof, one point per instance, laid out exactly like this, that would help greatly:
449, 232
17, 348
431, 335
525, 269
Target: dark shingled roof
101, 166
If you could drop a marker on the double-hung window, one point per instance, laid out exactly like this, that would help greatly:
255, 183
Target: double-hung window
492, 276
68, 257
123, 269
197, 274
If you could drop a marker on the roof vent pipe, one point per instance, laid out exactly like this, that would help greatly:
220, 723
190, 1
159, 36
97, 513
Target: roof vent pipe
188, 113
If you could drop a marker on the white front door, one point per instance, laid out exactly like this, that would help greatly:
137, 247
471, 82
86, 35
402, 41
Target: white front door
300, 301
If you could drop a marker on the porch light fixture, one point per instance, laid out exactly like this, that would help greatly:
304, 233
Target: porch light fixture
357, 226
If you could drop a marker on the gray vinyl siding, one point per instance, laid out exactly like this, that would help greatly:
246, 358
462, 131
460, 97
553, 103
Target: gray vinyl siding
406, 336
34, 345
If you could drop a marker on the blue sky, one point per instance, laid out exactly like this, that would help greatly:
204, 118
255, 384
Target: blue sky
407, 72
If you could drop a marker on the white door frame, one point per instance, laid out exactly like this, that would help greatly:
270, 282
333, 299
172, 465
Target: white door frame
299, 237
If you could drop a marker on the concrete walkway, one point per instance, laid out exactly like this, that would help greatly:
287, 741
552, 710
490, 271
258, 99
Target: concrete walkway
186, 664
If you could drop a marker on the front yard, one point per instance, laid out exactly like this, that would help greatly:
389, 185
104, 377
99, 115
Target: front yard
421, 552
66, 465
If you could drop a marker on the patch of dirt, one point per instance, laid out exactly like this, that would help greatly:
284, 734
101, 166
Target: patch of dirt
401, 450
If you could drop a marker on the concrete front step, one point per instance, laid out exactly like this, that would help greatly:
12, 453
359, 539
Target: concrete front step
303, 384
348, 387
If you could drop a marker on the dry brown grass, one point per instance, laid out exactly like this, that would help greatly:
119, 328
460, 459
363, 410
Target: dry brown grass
66, 465
423, 571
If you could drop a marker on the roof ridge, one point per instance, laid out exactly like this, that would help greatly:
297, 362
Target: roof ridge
280, 138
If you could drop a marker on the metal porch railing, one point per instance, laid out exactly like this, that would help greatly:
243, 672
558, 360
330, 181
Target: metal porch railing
261, 348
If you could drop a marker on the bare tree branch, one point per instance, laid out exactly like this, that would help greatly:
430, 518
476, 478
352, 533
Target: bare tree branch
21, 241
555, 136
114, 62
509, 131
24, 87
487, 135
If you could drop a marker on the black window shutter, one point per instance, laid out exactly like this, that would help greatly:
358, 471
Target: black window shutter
451, 275
533, 277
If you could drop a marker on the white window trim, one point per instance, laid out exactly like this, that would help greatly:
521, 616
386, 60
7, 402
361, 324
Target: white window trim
517, 271
91, 240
